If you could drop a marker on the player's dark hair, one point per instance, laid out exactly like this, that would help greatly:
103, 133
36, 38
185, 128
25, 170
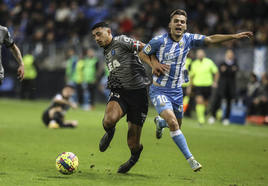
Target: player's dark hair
100, 24
178, 12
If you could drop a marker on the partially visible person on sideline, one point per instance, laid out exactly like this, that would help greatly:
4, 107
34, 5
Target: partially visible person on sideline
8, 42
226, 87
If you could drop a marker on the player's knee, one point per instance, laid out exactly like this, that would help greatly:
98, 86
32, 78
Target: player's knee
173, 124
199, 99
109, 121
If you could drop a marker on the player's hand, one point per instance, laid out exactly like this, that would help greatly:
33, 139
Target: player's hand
160, 69
215, 85
73, 105
21, 72
242, 35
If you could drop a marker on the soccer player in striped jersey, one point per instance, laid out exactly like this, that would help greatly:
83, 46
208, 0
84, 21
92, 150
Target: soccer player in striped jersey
166, 91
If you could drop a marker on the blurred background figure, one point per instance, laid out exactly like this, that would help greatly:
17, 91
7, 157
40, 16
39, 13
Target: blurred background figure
81, 87
54, 116
203, 76
91, 75
28, 85
259, 105
226, 87
70, 70
251, 92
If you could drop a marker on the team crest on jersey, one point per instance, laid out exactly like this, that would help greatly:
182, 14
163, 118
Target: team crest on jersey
113, 52
148, 48
181, 43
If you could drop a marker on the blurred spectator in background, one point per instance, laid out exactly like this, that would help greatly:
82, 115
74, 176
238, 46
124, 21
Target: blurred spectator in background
203, 76
53, 116
226, 87
70, 70
259, 104
81, 87
7, 40
28, 85
251, 92
72, 59
91, 75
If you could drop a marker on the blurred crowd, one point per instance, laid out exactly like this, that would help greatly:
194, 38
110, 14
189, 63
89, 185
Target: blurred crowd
70, 20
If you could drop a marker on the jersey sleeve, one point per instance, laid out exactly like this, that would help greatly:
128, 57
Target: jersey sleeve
196, 40
58, 97
129, 43
8, 41
214, 68
152, 46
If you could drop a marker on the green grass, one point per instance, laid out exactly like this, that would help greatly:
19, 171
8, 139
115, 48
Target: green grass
233, 155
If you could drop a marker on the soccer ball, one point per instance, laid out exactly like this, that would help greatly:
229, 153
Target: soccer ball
67, 163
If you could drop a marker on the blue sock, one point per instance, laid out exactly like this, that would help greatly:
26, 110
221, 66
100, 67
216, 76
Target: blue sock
161, 122
180, 141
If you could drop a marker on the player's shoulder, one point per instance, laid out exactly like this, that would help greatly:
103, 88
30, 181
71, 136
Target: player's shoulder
188, 35
122, 38
3, 28
209, 60
159, 38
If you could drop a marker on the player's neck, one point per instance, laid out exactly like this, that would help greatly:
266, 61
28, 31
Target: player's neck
109, 41
175, 38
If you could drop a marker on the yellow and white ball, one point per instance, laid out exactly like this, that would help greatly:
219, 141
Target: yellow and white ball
67, 163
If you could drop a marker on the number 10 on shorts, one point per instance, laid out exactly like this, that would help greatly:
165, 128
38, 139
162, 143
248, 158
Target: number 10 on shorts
160, 100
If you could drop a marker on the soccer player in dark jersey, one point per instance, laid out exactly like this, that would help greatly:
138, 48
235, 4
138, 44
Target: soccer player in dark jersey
7, 40
53, 116
128, 84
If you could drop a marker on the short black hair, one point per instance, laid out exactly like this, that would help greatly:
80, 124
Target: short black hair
100, 24
178, 12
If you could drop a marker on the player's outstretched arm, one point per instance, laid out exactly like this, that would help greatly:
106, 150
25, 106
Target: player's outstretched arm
152, 61
218, 38
17, 54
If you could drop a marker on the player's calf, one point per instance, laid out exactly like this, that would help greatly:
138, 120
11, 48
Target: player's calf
106, 139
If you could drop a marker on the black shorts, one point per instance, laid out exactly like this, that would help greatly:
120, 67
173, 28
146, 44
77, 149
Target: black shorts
203, 91
45, 117
134, 104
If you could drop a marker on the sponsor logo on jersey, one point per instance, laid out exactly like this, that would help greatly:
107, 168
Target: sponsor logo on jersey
113, 52
148, 48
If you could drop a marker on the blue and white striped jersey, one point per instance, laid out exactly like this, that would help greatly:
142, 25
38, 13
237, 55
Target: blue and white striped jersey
174, 54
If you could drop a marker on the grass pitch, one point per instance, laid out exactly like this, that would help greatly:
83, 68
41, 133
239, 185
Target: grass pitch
232, 155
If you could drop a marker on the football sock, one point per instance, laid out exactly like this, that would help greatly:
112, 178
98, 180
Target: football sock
162, 123
58, 117
180, 141
200, 112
